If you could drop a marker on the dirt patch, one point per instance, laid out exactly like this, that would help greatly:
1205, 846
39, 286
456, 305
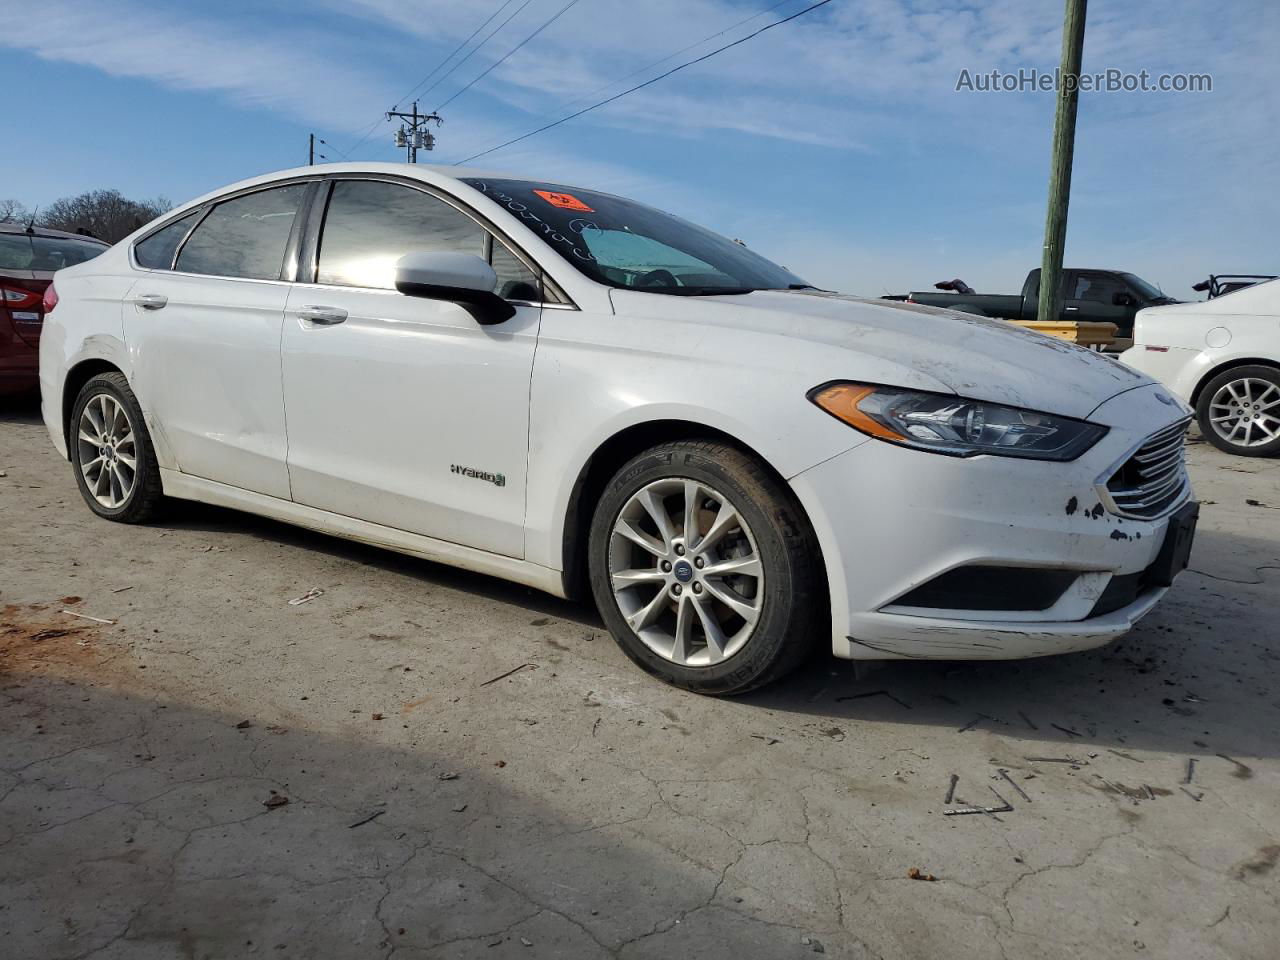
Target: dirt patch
1263, 863
31, 638
413, 705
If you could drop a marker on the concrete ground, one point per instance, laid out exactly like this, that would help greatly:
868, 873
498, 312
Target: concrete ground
575, 807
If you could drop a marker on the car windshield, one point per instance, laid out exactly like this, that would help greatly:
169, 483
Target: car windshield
21, 251
1148, 290
626, 244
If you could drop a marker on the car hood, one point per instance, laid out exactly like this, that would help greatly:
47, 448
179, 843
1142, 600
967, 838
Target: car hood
973, 356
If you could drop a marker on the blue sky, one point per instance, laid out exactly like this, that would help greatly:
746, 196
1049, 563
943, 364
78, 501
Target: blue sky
836, 144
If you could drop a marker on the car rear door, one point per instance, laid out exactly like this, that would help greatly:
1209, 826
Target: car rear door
203, 327
403, 411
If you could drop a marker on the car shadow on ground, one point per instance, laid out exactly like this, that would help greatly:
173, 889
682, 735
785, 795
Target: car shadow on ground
24, 408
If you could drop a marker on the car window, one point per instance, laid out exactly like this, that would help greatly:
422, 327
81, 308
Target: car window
1097, 288
371, 224
515, 280
245, 236
19, 251
156, 252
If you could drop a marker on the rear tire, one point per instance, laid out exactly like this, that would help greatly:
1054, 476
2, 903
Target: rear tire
111, 453
1239, 411
725, 595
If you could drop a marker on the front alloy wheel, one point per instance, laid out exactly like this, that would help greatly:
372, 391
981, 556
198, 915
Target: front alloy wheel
686, 572
705, 569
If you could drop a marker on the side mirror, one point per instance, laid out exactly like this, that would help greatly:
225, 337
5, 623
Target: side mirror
1123, 299
462, 278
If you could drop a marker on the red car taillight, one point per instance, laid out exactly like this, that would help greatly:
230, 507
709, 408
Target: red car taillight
50, 299
16, 299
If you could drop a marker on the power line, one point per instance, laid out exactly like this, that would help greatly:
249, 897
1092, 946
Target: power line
645, 69
454, 52
493, 66
472, 52
640, 86
672, 56
332, 147
367, 133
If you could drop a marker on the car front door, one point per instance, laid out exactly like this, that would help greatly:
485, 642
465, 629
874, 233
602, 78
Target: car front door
404, 411
1092, 296
203, 325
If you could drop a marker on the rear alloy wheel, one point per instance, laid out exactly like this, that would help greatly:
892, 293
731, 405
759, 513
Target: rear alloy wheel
704, 569
110, 450
1239, 411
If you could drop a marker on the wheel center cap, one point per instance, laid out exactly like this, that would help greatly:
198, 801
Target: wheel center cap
683, 571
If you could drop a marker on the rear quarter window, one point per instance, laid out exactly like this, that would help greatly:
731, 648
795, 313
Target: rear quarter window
156, 251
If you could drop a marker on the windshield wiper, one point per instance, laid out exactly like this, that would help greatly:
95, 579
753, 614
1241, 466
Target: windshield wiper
696, 291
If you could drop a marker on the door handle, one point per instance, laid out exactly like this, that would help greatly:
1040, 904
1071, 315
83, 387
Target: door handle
151, 301
325, 316
1072, 309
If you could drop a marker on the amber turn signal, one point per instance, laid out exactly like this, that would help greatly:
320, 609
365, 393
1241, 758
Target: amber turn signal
841, 401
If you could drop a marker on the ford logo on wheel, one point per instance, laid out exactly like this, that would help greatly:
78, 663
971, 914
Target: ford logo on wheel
683, 572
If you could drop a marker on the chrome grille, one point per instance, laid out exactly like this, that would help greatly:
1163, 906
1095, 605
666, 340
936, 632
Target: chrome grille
1154, 480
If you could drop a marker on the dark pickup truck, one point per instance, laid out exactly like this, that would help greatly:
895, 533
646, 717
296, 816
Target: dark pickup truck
1109, 296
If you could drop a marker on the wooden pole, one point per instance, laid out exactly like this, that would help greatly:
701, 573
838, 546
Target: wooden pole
1064, 142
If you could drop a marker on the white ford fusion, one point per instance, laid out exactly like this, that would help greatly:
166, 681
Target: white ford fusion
580, 393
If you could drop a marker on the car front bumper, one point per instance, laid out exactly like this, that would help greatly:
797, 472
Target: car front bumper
891, 519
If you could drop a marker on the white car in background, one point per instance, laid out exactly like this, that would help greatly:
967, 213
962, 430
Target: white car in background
1222, 357
586, 395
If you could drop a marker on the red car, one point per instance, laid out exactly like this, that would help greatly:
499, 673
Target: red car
28, 258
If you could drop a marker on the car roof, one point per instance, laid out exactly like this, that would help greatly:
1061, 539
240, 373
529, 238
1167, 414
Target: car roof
427, 172
11, 227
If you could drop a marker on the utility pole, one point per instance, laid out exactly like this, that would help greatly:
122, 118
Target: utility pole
414, 136
1064, 142
311, 151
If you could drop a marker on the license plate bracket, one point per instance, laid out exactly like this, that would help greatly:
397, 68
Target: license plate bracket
1175, 552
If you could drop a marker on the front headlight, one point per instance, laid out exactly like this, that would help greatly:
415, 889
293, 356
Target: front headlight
954, 425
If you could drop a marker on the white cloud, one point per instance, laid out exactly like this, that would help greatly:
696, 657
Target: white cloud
293, 72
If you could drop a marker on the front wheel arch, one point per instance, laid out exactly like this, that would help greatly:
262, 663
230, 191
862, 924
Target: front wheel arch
605, 462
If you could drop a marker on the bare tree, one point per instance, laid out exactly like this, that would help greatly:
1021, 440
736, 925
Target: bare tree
105, 214
12, 210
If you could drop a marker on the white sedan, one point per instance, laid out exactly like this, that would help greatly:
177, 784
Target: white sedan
583, 394
1223, 357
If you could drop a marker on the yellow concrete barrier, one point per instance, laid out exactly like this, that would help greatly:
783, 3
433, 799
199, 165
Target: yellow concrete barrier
1088, 333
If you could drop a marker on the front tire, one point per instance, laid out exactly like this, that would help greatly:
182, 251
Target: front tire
705, 570
1239, 411
111, 453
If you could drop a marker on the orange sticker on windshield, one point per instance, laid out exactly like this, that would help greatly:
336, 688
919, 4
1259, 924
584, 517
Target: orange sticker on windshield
565, 201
